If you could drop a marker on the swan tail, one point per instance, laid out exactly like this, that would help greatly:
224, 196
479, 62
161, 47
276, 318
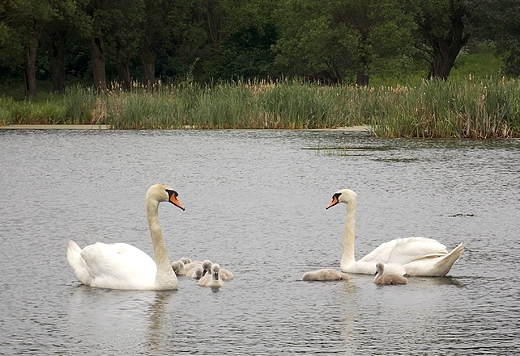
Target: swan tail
77, 263
445, 264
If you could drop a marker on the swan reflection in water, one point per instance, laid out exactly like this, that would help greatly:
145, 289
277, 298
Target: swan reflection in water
156, 332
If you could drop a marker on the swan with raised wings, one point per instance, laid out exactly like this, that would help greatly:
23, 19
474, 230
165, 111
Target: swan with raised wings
123, 266
413, 256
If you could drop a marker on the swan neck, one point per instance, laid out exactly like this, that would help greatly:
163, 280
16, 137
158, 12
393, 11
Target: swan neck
164, 270
348, 257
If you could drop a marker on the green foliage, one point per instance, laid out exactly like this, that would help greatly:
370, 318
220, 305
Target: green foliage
327, 42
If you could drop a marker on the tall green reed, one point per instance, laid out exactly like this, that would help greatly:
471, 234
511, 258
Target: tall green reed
483, 109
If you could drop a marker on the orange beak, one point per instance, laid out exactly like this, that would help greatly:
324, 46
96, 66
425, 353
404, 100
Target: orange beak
333, 202
176, 202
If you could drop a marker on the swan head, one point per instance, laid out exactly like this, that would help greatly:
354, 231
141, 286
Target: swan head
163, 193
177, 266
198, 271
214, 271
206, 267
380, 268
185, 260
346, 196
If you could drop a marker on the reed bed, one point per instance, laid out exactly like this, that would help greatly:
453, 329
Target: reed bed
468, 109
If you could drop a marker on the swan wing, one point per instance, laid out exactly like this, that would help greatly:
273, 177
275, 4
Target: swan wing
415, 248
397, 253
381, 253
117, 265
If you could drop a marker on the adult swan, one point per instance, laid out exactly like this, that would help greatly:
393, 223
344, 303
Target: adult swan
413, 256
123, 266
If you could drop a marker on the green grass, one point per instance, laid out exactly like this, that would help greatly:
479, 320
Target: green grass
469, 108
475, 102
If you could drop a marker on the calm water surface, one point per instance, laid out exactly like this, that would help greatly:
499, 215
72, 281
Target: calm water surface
255, 203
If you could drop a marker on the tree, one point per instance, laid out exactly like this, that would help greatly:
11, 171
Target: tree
153, 36
335, 38
60, 31
93, 27
26, 20
122, 36
441, 29
309, 45
380, 28
248, 34
499, 22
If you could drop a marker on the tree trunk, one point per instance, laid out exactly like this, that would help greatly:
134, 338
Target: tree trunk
58, 56
364, 63
98, 63
123, 71
30, 63
362, 78
443, 61
446, 44
148, 60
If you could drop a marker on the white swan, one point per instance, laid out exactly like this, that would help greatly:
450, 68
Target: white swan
324, 275
123, 266
383, 278
414, 256
212, 279
195, 272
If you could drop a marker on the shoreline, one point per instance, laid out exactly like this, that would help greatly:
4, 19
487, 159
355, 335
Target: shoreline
55, 127
107, 127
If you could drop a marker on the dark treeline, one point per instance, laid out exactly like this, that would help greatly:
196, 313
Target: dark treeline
96, 42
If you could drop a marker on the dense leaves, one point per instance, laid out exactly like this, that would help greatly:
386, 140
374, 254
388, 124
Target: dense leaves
98, 42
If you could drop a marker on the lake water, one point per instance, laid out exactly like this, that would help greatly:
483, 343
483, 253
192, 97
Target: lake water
255, 203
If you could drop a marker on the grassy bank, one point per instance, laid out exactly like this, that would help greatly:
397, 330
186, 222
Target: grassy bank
469, 108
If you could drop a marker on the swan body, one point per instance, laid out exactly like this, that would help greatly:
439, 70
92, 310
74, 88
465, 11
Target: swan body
195, 272
383, 278
212, 279
324, 275
123, 266
226, 274
413, 256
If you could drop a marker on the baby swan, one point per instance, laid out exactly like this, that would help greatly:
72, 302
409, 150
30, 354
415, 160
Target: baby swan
195, 272
178, 268
185, 260
324, 275
224, 274
214, 280
206, 267
388, 278
189, 264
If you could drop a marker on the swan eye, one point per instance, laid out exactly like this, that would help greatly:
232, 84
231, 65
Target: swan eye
336, 196
172, 192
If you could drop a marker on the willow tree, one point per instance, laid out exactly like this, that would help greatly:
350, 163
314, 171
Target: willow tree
441, 32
